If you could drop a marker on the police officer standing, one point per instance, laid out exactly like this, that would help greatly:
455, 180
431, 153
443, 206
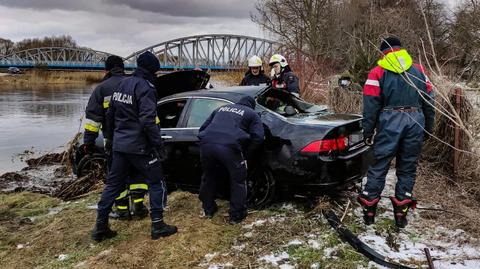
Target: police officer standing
255, 74
398, 107
95, 120
231, 133
134, 126
282, 75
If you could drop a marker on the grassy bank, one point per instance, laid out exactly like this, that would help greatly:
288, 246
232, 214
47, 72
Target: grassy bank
43, 77
59, 237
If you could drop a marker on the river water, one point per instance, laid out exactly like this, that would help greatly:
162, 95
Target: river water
39, 119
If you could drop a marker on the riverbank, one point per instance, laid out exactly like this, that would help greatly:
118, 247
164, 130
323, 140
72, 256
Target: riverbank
43, 78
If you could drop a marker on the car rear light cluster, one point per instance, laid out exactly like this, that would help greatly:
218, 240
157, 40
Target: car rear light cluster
326, 145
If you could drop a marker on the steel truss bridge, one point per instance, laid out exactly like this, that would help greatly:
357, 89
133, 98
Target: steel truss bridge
214, 52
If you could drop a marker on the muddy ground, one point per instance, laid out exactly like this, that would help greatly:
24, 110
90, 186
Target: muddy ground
40, 231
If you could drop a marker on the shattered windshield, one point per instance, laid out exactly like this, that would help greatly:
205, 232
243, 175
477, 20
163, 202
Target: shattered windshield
286, 104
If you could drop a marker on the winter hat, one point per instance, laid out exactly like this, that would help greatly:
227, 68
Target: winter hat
389, 43
148, 61
113, 61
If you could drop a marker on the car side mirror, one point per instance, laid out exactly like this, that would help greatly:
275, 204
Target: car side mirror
290, 111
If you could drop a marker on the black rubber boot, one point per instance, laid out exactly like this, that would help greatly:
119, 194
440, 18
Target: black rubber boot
209, 213
400, 209
237, 218
102, 231
139, 210
369, 208
161, 229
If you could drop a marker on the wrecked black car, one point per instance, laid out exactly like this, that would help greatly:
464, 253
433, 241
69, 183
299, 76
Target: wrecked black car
308, 150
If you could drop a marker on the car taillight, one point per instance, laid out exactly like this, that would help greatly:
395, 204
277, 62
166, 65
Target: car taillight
326, 145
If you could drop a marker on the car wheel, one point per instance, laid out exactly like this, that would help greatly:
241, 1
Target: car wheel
95, 163
261, 189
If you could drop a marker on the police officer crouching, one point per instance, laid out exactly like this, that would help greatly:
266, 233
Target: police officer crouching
134, 126
231, 133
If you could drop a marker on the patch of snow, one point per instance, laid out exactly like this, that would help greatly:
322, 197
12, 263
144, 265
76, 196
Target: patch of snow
220, 266
295, 242
62, 257
255, 223
314, 244
20, 246
315, 266
444, 244
274, 259
249, 234
465, 264
239, 247
210, 256
286, 266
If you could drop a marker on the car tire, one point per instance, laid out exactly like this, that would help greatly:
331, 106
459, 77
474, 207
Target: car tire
261, 189
91, 163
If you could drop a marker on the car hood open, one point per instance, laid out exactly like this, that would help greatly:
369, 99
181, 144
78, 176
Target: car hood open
181, 81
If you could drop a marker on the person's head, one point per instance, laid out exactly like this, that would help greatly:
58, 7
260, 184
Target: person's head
148, 61
113, 61
344, 82
277, 63
345, 79
389, 44
255, 65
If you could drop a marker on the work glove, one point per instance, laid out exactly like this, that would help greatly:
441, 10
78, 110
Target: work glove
108, 146
88, 148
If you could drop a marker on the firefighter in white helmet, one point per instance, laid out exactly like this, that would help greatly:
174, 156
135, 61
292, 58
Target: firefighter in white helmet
282, 76
255, 74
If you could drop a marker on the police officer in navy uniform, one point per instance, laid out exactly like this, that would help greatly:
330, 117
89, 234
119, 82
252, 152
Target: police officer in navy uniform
398, 107
95, 120
134, 126
228, 138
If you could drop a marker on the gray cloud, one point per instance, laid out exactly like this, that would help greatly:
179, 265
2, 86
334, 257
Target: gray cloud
174, 8
115, 28
192, 8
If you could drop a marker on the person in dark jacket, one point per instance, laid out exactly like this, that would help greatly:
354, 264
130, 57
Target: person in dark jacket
95, 120
282, 76
398, 114
255, 74
228, 138
134, 126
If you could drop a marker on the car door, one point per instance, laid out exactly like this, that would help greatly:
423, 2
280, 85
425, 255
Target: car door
171, 113
199, 109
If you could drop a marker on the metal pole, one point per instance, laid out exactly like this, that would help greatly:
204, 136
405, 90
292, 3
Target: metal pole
456, 153
429, 258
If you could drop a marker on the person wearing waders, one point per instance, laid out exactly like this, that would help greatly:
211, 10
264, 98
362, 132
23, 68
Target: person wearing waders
255, 74
95, 120
228, 138
398, 115
134, 126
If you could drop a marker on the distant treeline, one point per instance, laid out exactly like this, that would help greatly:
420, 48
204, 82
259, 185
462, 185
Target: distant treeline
335, 35
7, 46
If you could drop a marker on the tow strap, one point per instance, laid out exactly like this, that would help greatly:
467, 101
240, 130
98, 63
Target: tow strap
357, 244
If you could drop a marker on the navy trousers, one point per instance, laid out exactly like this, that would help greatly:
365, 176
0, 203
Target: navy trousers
213, 157
149, 167
399, 135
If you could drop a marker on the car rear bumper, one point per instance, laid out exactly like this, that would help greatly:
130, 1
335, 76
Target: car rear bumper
318, 174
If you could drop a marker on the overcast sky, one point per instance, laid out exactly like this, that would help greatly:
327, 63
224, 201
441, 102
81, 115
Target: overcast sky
125, 26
